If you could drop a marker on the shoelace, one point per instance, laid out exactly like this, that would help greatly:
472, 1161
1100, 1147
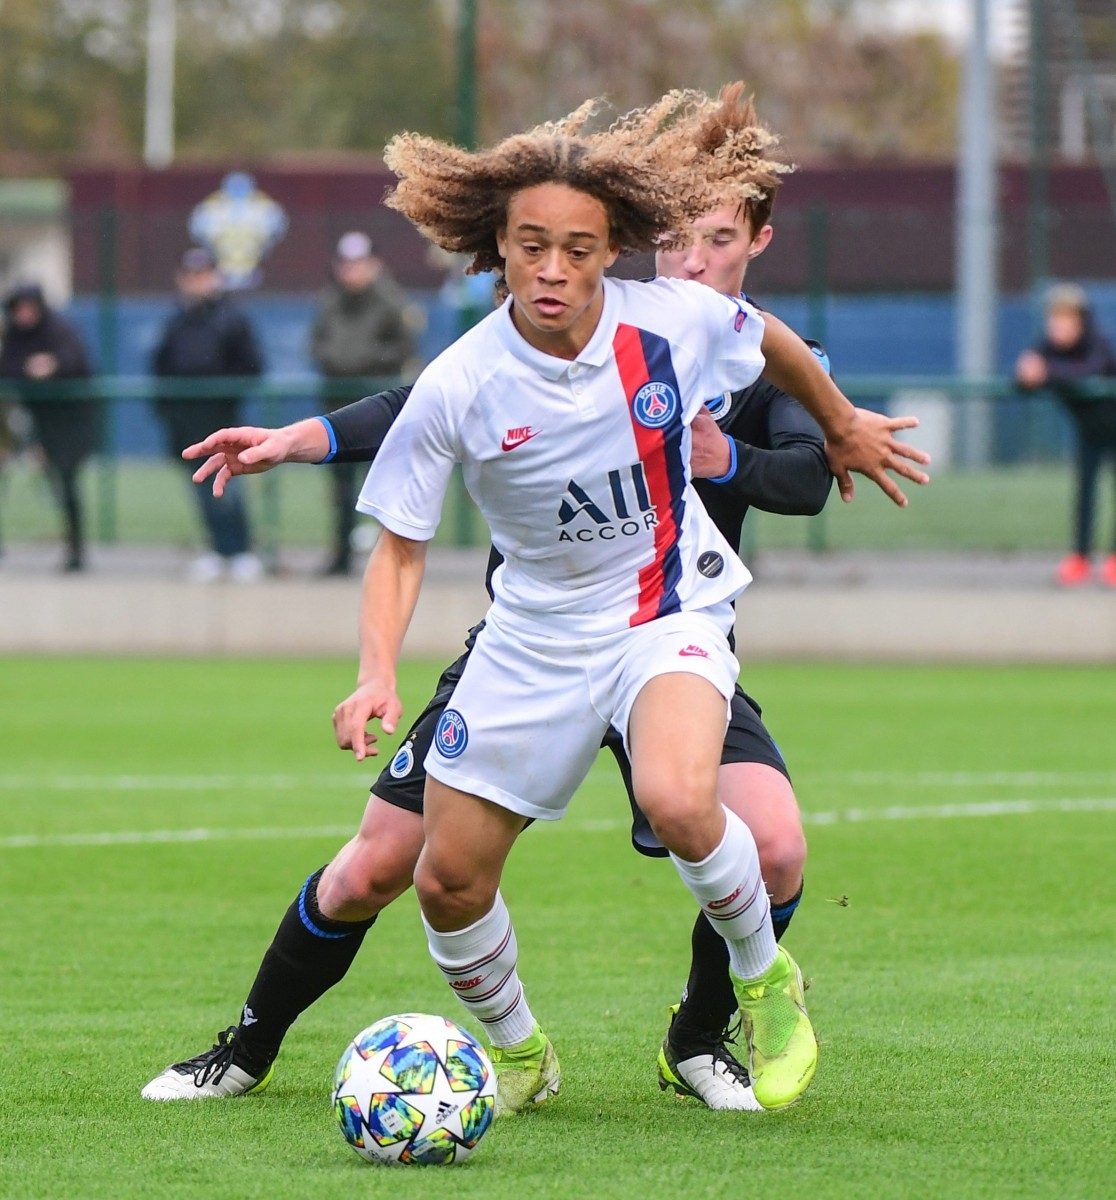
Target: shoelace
211, 1065
729, 1061
718, 1048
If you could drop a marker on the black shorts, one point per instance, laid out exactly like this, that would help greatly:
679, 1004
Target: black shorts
403, 781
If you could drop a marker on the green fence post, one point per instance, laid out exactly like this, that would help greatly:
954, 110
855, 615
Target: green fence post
817, 289
108, 323
269, 542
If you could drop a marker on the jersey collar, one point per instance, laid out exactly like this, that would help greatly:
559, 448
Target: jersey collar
595, 353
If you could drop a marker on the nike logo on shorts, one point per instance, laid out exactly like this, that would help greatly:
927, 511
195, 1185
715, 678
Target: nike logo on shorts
692, 651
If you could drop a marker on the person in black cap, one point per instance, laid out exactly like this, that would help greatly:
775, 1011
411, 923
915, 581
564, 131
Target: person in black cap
1071, 353
208, 336
40, 346
360, 331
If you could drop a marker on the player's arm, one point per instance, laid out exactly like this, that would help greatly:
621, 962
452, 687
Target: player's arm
354, 433
855, 438
789, 475
391, 587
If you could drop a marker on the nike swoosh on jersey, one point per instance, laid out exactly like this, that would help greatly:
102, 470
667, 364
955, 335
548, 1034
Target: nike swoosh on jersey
693, 652
510, 443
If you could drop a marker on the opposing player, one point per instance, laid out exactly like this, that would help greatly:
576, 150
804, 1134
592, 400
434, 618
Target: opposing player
791, 476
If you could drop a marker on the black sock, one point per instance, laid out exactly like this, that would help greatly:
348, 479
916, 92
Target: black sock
308, 955
781, 914
709, 1000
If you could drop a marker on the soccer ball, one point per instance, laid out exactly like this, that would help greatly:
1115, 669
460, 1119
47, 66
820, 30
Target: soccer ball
414, 1089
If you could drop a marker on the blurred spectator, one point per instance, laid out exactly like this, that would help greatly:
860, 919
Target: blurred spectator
208, 336
39, 345
360, 330
1071, 352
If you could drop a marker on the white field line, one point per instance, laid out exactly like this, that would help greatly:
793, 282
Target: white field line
934, 812
968, 779
180, 783
288, 782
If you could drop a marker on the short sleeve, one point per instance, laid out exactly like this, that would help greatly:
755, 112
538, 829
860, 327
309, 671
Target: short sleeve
735, 331
407, 483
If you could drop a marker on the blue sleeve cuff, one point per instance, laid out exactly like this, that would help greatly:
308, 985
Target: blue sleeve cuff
333, 440
732, 462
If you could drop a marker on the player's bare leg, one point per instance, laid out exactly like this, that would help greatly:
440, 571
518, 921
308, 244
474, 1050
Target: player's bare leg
472, 940
312, 950
675, 732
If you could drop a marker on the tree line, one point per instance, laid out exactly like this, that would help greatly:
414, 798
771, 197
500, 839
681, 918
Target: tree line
261, 78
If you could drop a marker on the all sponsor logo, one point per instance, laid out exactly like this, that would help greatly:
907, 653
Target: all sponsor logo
710, 564
517, 436
451, 735
463, 985
403, 761
738, 322
625, 511
656, 405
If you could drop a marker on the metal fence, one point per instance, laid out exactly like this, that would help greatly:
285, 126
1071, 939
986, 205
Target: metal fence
1001, 477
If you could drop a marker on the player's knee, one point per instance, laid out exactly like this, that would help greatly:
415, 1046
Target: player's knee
452, 897
686, 819
782, 855
363, 880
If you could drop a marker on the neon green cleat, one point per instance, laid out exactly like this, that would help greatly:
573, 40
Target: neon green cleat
782, 1048
525, 1074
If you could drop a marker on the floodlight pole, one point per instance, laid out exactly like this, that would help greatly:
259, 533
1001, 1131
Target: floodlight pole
977, 298
158, 124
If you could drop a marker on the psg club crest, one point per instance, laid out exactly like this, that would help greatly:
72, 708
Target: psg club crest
451, 735
656, 405
240, 224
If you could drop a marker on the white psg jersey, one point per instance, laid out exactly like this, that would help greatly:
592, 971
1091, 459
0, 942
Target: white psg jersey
581, 468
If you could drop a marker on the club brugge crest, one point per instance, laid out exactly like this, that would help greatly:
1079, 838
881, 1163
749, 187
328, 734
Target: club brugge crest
451, 735
720, 406
655, 405
403, 761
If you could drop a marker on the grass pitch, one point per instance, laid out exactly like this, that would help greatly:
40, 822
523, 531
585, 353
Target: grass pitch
157, 817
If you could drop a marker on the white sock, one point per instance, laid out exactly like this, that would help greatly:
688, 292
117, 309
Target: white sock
730, 890
479, 963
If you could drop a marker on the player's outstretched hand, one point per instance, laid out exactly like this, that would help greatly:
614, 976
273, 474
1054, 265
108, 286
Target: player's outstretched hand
869, 447
351, 717
250, 450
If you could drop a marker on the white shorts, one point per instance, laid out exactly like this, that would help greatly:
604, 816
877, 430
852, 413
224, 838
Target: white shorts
526, 720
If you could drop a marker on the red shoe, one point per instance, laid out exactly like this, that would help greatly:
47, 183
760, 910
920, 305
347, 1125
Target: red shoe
1073, 571
1108, 571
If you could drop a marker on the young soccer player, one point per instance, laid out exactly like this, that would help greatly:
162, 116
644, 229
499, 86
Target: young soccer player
790, 476
569, 410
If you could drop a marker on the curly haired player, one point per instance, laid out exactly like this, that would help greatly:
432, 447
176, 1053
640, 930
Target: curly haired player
343, 867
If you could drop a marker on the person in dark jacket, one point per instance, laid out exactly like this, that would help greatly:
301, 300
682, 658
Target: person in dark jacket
208, 336
1072, 353
360, 330
41, 346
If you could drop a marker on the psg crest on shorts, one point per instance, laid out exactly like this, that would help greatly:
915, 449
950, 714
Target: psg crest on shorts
451, 735
656, 405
